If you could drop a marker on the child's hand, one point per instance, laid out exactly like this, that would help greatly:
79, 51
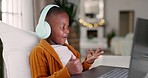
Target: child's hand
92, 55
74, 66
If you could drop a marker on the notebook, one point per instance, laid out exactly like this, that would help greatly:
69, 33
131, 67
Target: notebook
139, 58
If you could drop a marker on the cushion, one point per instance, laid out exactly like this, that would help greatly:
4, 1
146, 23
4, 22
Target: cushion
129, 36
17, 45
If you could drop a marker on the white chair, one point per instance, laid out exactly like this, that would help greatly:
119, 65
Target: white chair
17, 44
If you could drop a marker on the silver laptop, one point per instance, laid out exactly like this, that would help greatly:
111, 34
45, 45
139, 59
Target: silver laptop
139, 58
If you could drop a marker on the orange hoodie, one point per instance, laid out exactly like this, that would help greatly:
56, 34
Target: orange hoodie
45, 62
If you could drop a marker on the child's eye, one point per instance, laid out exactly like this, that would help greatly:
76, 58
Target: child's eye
65, 27
62, 27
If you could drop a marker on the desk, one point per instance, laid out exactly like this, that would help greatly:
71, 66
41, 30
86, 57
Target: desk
107, 60
112, 60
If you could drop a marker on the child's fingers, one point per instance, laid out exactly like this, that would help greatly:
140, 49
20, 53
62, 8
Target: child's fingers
98, 54
90, 51
72, 58
98, 51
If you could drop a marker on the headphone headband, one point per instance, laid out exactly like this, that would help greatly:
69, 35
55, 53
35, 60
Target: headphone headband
45, 11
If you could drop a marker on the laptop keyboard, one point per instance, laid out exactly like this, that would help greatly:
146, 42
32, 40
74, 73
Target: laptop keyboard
115, 73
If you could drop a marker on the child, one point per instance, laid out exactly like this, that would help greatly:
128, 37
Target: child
52, 57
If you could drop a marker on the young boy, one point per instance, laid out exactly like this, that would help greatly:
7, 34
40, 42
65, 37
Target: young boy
52, 57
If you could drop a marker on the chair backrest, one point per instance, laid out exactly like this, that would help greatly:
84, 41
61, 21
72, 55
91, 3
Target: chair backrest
17, 44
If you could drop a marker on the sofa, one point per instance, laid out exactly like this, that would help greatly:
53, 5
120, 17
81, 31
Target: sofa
122, 45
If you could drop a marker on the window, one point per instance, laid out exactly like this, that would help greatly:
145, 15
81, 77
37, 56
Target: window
12, 12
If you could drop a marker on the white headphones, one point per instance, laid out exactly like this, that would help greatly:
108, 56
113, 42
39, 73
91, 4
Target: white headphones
43, 29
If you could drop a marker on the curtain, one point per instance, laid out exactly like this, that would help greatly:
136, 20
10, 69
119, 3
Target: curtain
12, 12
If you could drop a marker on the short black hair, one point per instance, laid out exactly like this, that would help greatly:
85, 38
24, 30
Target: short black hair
55, 10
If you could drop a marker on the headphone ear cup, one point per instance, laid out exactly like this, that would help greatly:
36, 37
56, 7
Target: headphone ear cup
43, 30
48, 29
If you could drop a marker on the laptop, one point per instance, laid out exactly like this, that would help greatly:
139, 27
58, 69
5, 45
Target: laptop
139, 58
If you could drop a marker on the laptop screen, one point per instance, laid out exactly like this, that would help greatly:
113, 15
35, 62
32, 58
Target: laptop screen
139, 57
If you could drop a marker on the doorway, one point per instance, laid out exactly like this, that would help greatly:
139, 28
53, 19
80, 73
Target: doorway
126, 22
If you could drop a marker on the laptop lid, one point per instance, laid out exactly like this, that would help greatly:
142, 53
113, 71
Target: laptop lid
139, 55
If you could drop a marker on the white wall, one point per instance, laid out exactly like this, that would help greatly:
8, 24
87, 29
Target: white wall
113, 7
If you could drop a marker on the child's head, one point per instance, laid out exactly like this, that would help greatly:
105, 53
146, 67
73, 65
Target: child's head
59, 22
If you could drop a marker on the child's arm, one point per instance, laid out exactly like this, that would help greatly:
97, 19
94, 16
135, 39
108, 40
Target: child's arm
91, 57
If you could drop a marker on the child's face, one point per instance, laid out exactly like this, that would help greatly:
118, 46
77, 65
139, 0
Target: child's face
59, 26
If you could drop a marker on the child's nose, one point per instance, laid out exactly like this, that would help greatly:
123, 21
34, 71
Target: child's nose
67, 31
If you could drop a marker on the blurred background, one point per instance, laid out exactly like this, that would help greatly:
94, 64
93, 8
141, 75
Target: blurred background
87, 30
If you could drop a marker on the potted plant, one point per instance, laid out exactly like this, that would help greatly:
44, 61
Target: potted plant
110, 36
